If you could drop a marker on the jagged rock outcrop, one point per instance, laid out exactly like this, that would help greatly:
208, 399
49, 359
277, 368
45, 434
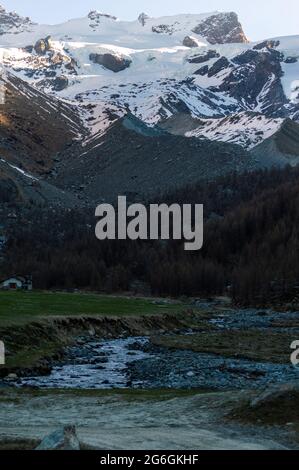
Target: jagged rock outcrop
62, 439
202, 71
42, 46
96, 17
257, 76
221, 28
246, 57
253, 78
94, 14
218, 66
190, 41
163, 29
11, 22
201, 58
268, 44
112, 62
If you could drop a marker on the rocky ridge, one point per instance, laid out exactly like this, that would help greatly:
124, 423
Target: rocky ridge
12, 23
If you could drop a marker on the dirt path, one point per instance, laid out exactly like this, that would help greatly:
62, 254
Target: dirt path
120, 421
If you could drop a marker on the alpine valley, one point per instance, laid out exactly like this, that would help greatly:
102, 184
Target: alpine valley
97, 107
140, 343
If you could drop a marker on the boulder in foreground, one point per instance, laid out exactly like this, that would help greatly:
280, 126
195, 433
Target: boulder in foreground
62, 439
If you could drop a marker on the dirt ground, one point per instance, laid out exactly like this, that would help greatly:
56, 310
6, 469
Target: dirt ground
140, 420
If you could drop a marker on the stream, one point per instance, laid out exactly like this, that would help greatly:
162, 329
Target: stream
134, 362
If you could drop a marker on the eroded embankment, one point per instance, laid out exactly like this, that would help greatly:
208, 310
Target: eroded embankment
32, 347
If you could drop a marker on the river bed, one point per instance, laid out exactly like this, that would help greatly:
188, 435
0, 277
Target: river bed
135, 363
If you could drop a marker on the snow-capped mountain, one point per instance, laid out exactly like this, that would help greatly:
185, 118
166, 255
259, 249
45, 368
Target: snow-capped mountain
196, 76
202, 65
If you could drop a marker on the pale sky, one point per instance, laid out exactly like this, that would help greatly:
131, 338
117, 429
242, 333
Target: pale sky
260, 18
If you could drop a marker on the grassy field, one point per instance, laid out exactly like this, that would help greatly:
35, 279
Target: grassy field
251, 344
21, 307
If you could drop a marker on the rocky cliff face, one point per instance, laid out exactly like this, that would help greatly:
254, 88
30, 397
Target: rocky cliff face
222, 28
253, 78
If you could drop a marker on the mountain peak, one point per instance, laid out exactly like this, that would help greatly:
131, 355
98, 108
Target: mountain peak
221, 28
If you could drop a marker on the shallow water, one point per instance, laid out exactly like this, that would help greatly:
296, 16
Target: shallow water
134, 363
96, 365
